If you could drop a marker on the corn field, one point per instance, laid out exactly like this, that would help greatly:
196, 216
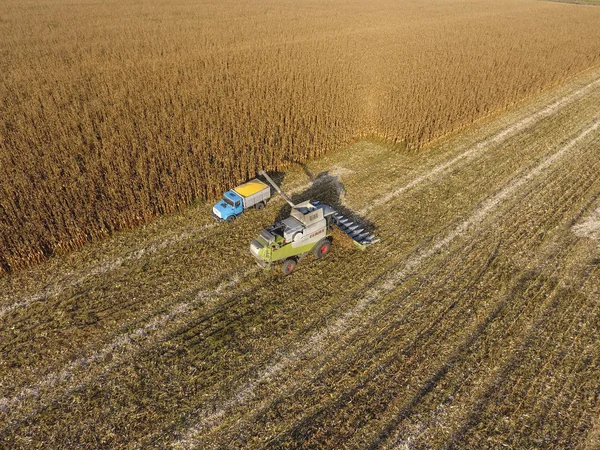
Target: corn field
115, 112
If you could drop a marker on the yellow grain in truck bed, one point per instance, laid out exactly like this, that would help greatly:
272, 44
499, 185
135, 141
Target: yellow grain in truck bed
250, 188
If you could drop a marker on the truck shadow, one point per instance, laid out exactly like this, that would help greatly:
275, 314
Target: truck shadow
326, 188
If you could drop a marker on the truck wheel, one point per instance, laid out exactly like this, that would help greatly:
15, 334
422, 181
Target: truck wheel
288, 266
322, 248
260, 205
231, 218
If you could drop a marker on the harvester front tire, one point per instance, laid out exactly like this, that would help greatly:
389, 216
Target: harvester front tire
322, 248
288, 266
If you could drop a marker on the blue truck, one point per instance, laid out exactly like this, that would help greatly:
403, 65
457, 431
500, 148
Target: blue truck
253, 194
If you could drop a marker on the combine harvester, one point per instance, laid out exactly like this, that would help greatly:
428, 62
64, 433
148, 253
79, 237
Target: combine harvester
307, 230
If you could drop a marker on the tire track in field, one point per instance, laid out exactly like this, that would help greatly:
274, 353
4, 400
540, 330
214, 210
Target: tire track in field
155, 246
399, 409
375, 321
522, 124
565, 200
62, 376
54, 378
430, 330
475, 364
558, 212
101, 269
314, 343
123, 346
431, 176
432, 333
494, 385
123, 343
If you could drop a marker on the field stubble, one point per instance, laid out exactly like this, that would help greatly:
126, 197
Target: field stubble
373, 329
165, 272
472, 285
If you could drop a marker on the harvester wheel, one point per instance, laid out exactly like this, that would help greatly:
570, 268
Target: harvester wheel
322, 248
288, 266
260, 205
231, 218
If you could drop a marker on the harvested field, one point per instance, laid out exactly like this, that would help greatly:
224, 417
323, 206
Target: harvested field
118, 111
472, 324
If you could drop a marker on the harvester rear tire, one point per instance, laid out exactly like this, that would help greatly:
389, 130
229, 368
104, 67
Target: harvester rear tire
322, 249
288, 266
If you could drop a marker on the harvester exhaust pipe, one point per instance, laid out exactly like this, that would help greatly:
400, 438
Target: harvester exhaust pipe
283, 194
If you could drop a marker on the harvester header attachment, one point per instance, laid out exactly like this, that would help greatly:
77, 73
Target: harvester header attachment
362, 239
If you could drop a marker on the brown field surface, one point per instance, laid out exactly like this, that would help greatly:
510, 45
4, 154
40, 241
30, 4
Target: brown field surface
578, 2
472, 324
114, 112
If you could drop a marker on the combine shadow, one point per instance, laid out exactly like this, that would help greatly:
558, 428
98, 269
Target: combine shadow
326, 188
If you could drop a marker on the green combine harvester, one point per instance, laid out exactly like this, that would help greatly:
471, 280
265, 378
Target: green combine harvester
306, 230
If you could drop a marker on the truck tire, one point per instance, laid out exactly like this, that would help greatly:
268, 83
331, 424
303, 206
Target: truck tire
288, 266
260, 205
322, 249
231, 218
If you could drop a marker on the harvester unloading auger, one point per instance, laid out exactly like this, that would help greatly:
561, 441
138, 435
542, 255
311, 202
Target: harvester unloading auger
307, 229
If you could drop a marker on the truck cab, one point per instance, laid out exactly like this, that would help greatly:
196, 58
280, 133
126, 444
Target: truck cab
229, 207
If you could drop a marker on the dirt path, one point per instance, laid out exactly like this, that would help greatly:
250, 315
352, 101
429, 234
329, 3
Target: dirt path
472, 321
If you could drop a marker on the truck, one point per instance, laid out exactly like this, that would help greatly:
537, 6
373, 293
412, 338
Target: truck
307, 230
253, 194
